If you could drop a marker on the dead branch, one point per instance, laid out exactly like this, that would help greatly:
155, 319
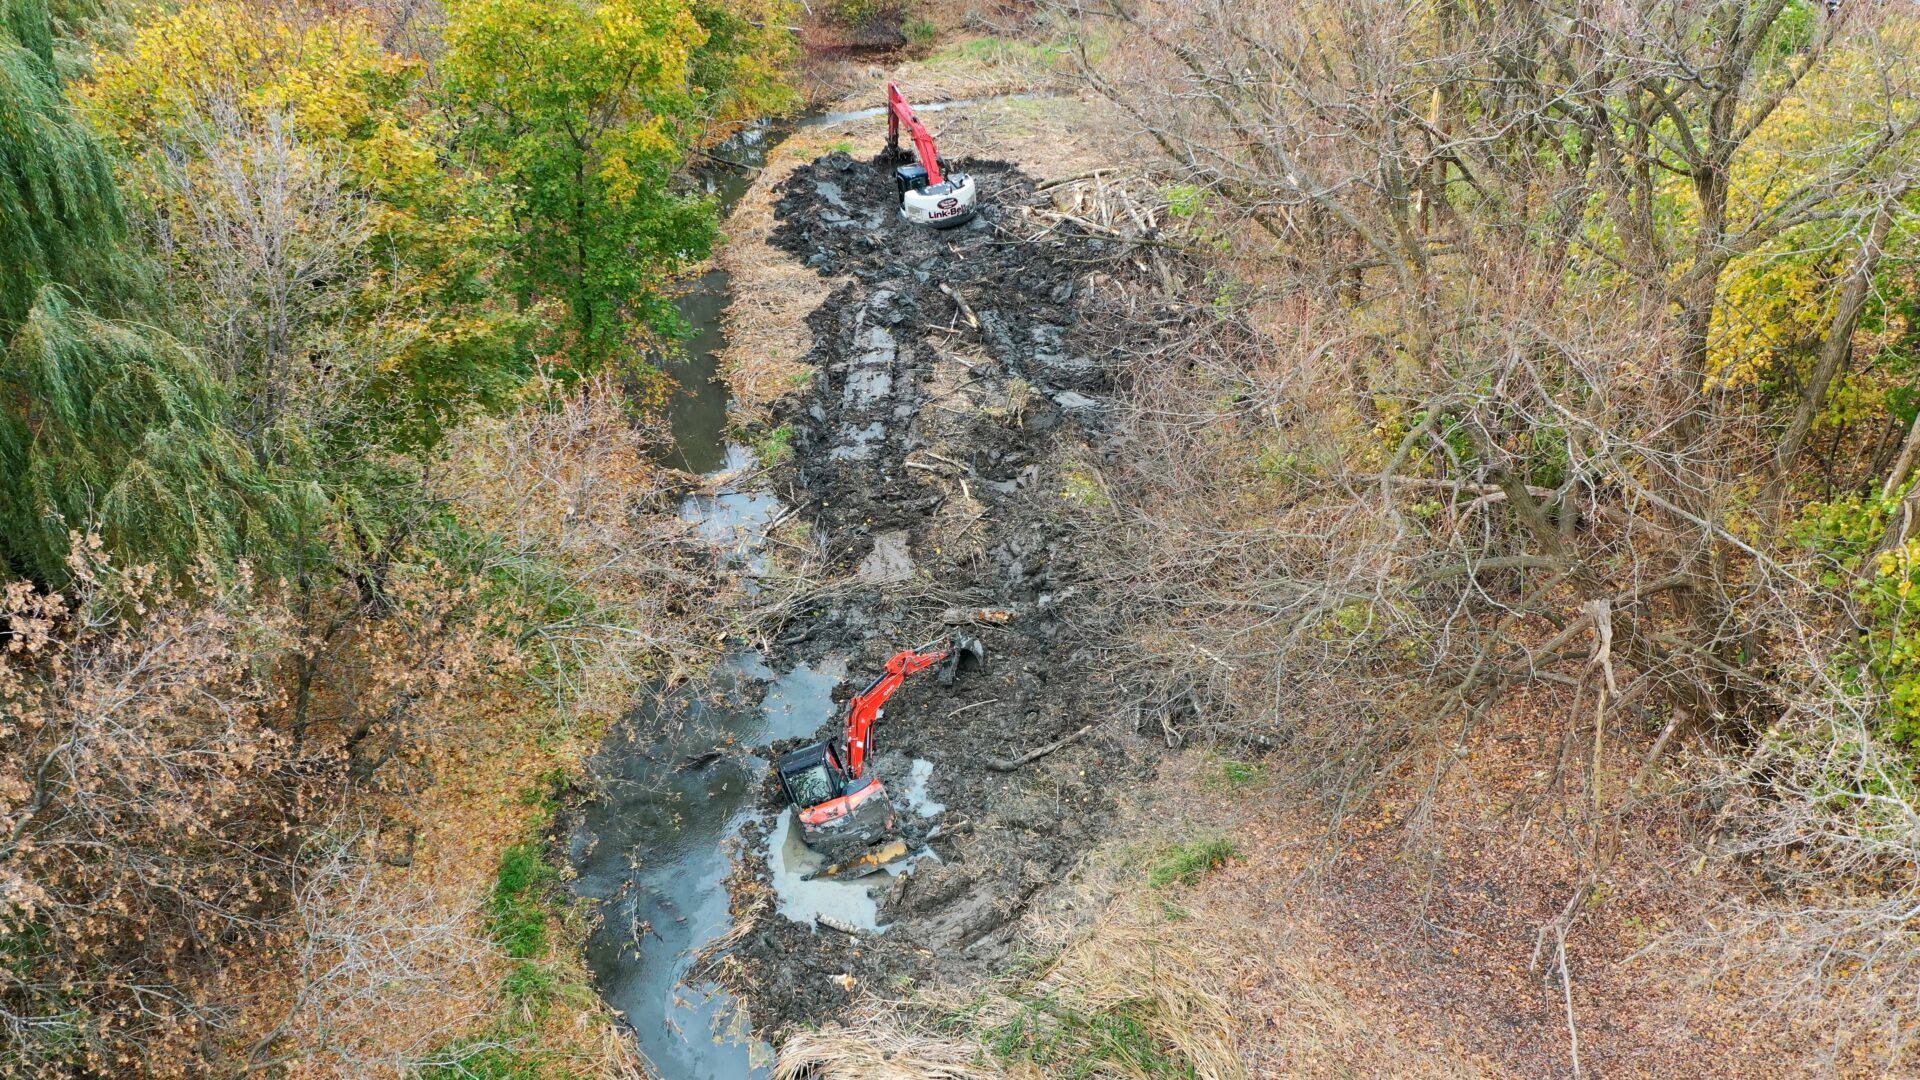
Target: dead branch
1010, 764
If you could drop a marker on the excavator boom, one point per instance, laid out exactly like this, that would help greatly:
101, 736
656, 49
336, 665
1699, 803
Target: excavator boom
899, 116
866, 705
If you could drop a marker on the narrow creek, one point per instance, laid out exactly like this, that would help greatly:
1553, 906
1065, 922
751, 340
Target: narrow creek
679, 778
698, 408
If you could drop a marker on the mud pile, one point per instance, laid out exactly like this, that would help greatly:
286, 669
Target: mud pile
937, 450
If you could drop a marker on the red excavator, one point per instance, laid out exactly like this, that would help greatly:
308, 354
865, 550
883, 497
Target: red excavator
929, 194
843, 811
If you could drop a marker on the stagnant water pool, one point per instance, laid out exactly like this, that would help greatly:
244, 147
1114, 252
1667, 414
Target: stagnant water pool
656, 852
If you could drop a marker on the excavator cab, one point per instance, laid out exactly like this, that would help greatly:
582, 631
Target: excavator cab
838, 814
909, 178
812, 775
944, 205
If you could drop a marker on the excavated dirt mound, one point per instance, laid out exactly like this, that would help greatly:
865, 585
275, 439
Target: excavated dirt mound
938, 449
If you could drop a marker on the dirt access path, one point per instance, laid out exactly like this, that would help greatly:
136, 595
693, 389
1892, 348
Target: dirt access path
935, 446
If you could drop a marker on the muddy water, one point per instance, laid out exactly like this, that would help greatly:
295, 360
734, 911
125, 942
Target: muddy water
698, 408
678, 779
679, 782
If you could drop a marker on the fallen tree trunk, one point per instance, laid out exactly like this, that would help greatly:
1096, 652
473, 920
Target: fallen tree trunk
1010, 764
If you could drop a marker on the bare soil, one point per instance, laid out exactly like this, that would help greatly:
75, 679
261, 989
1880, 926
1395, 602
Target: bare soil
948, 405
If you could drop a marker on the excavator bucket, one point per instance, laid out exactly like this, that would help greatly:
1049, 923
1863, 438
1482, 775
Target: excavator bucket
965, 646
871, 861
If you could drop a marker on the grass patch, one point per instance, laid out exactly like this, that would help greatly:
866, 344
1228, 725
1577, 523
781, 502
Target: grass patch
541, 796
532, 989
1239, 774
860, 13
1069, 1042
517, 908
1235, 775
1186, 864
991, 50
490, 1063
774, 447
1084, 488
522, 919
519, 1045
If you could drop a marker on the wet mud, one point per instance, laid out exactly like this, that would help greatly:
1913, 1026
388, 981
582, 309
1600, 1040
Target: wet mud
956, 390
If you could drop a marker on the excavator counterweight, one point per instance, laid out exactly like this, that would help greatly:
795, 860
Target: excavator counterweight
841, 809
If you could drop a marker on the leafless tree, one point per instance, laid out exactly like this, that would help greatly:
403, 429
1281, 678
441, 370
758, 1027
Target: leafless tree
274, 240
145, 806
369, 962
1465, 415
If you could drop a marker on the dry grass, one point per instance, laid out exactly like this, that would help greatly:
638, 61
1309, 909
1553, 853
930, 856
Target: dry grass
767, 335
879, 1049
1134, 997
1267, 1002
1135, 955
1374, 963
962, 64
476, 810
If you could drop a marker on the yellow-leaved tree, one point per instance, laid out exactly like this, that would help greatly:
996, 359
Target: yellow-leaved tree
345, 278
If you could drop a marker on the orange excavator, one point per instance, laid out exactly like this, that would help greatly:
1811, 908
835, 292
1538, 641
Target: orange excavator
843, 810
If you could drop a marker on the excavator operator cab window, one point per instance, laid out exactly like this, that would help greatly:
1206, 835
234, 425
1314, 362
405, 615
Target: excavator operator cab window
909, 178
812, 785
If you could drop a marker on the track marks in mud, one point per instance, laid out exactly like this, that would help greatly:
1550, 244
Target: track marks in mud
950, 389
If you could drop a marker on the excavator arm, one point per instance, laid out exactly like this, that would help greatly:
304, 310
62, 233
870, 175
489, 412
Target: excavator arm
866, 705
900, 115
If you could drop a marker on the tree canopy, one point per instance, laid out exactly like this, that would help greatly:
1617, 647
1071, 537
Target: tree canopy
60, 215
584, 110
106, 426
